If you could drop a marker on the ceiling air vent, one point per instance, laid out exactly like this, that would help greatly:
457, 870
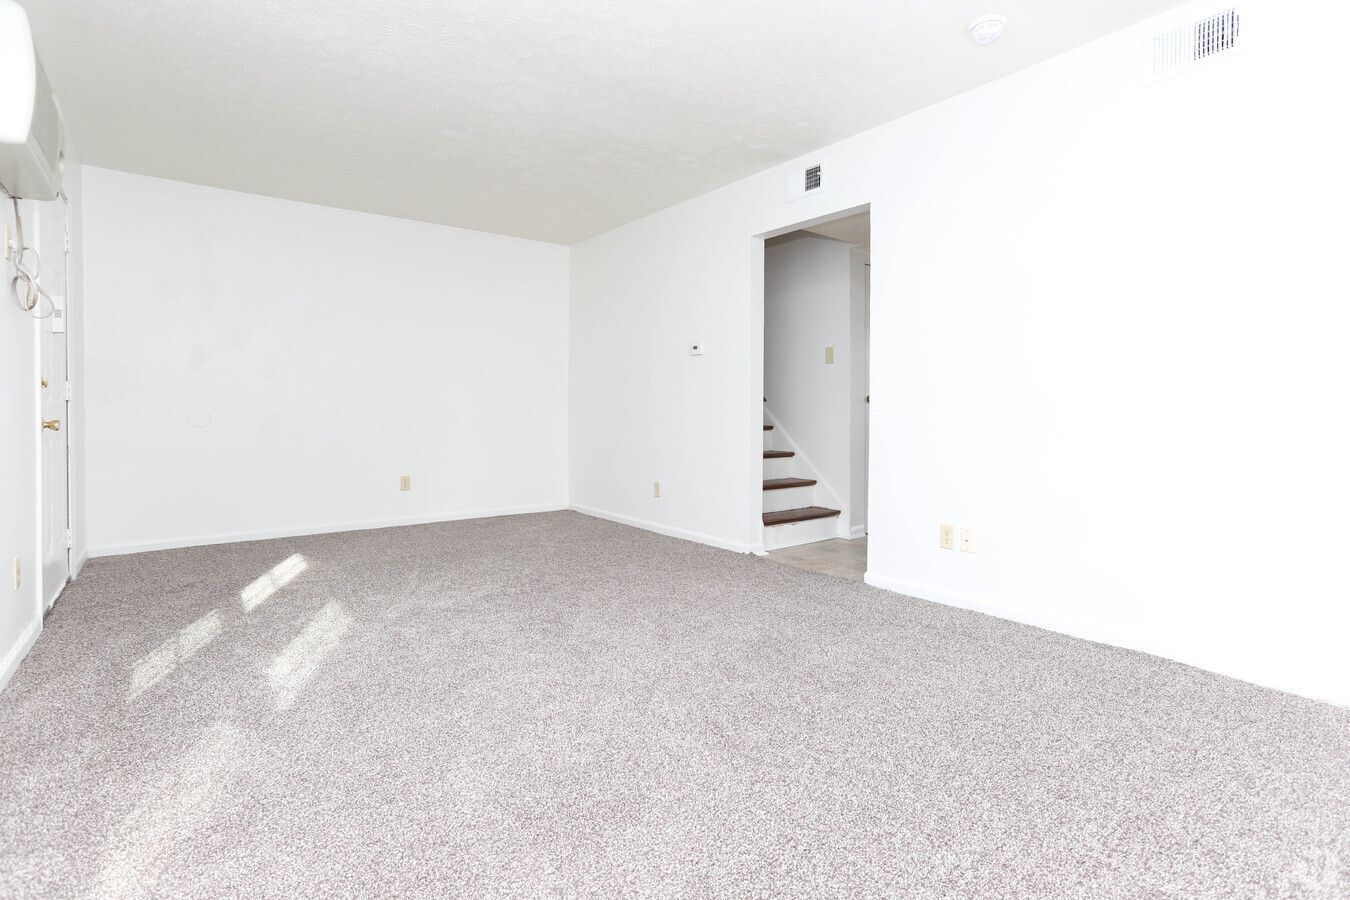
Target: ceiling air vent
812, 180
1185, 48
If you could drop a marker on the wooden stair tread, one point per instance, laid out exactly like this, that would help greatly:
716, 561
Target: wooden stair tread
778, 454
806, 514
778, 484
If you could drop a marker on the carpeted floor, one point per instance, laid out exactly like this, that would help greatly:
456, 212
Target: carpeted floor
554, 705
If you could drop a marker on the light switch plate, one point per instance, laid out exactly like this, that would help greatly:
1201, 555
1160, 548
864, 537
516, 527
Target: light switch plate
829, 356
405, 482
58, 315
656, 488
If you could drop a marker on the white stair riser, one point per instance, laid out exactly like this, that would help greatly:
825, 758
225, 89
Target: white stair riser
788, 498
780, 468
779, 536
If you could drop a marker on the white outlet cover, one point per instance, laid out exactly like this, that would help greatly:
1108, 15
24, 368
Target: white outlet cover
968, 540
947, 537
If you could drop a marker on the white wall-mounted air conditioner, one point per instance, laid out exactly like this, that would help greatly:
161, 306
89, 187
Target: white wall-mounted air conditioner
32, 135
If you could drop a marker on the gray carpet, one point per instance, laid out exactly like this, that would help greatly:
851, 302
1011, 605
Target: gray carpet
553, 705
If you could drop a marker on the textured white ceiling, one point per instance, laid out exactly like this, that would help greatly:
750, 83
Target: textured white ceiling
541, 118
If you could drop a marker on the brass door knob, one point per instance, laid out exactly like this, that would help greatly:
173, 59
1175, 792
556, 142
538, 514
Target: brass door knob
52, 424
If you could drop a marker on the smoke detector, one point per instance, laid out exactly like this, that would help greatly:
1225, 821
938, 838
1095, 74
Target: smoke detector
987, 29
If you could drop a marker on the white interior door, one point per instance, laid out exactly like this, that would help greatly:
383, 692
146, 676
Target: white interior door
55, 431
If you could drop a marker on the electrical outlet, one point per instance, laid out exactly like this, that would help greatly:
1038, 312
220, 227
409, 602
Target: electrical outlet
967, 540
405, 482
829, 356
656, 489
947, 537
18, 574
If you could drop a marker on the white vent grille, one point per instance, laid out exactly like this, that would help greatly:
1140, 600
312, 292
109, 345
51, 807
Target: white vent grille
1188, 46
1216, 34
804, 180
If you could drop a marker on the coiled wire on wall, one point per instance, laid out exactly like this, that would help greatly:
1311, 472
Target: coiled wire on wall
25, 287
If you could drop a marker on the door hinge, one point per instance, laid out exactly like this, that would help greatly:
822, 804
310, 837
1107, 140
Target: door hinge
67, 240
70, 539
70, 394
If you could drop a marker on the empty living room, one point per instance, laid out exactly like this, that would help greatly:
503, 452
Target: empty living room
669, 449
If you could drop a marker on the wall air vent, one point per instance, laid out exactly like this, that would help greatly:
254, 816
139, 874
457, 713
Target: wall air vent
1185, 48
804, 180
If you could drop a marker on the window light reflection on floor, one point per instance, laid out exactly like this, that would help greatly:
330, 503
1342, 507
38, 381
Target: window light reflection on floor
296, 664
267, 584
170, 808
160, 662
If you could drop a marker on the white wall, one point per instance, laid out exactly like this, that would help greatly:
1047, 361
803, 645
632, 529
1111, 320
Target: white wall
20, 610
259, 367
1108, 325
642, 409
807, 308
20, 510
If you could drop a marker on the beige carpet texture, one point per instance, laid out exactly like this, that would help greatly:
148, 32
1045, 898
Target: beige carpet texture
558, 706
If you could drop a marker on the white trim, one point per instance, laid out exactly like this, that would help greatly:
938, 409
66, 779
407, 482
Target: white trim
856, 532
78, 565
1076, 628
237, 537
994, 608
667, 530
20, 649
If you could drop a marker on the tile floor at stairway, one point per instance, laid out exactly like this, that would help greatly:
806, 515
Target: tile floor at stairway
847, 559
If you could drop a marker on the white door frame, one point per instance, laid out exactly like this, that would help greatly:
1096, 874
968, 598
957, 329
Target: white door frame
46, 598
755, 411
68, 390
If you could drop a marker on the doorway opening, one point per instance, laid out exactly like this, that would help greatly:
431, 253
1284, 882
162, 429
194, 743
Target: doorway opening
817, 297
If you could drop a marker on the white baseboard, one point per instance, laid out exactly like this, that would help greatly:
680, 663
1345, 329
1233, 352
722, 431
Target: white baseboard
20, 649
77, 564
667, 530
1087, 631
857, 531
206, 540
992, 608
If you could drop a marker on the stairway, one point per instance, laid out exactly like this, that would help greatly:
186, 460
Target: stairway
791, 514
